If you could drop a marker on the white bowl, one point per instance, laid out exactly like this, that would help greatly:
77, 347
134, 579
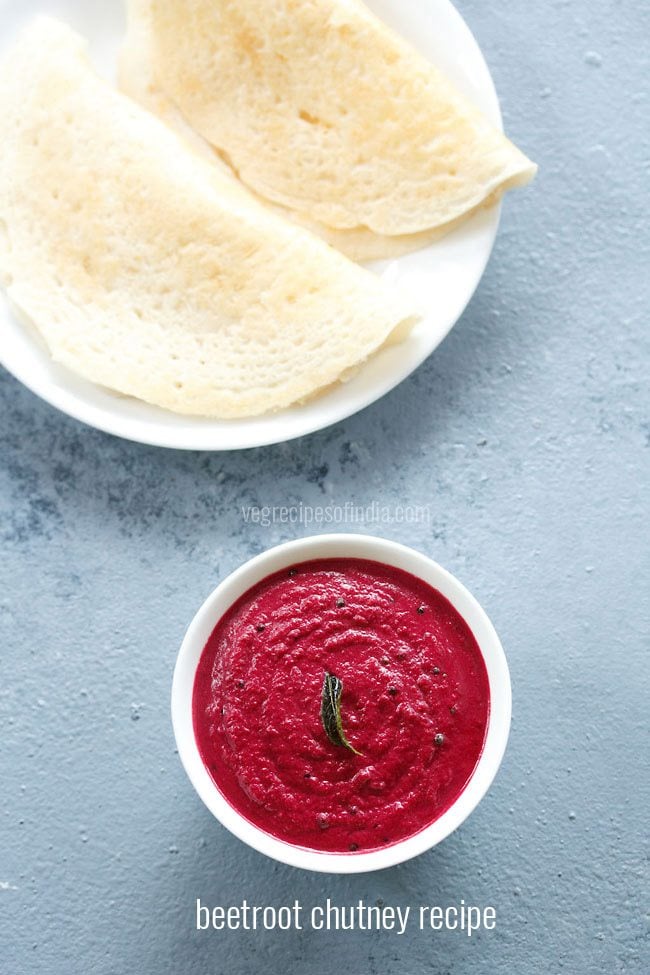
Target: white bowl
341, 546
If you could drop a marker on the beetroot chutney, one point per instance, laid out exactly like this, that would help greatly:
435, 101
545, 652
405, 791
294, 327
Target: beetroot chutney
415, 704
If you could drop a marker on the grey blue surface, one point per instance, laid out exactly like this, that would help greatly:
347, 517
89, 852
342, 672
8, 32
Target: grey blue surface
527, 434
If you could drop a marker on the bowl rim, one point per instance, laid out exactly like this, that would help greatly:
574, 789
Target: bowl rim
341, 545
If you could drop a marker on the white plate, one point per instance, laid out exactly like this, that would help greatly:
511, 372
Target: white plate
442, 277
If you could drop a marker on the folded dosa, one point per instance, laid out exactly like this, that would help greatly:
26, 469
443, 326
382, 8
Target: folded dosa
136, 80
319, 107
145, 270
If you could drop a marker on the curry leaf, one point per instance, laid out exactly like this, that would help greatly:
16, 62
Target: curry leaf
330, 712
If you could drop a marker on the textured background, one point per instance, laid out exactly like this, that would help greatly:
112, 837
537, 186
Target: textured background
527, 433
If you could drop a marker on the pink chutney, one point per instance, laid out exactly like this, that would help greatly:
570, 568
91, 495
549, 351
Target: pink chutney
415, 703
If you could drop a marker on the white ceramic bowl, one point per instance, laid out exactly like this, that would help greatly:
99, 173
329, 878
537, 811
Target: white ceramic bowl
341, 546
